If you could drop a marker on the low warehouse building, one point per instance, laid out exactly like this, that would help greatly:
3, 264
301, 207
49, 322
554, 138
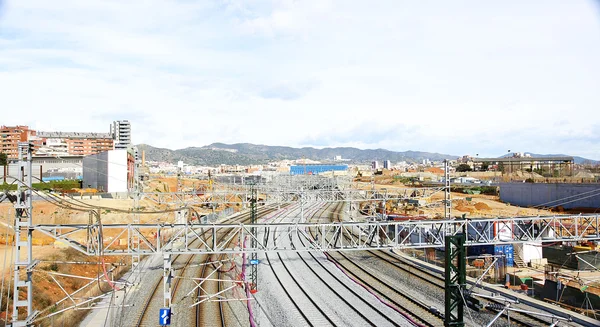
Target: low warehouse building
46, 168
315, 169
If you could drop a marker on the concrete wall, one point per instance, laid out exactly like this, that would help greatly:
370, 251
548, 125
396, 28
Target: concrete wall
117, 171
551, 195
560, 256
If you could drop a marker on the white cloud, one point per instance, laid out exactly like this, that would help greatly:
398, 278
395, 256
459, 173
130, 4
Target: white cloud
460, 77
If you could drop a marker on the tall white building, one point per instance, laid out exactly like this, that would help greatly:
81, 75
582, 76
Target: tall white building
387, 164
121, 133
375, 164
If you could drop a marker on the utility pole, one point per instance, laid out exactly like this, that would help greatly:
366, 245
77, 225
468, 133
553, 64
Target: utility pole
253, 255
447, 200
167, 279
22, 301
135, 237
180, 215
301, 205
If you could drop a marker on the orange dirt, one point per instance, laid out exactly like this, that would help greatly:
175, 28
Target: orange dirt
482, 206
464, 208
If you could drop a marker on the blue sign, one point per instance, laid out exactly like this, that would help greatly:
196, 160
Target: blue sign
165, 316
254, 261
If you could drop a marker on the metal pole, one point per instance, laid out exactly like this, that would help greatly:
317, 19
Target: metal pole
447, 200
455, 280
498, 316
23, 225
167, 277
301, 205
135, 238
253, 245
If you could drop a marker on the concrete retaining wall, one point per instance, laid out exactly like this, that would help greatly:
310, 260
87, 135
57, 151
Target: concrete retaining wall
551, 195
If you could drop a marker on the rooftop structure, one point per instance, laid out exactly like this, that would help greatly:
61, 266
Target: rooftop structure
74, 135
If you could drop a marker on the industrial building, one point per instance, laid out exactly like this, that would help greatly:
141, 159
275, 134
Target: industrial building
563, 165
315, 169
109, 171
47, 168
121, 133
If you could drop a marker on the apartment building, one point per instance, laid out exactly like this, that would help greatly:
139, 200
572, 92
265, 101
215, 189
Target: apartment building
121, 132
76, 144
10, 136
65, 143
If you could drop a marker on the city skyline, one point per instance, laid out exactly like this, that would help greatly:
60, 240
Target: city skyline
460, 78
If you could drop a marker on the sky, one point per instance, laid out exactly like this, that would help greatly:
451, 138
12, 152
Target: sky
454, 77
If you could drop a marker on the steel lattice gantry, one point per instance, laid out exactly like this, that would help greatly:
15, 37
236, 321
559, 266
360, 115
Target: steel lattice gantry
175, 238
274, 195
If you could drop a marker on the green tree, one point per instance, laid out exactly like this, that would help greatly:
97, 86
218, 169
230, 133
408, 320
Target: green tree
3, 159
463, 167
485, 166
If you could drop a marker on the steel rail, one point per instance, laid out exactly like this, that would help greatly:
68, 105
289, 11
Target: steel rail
357, 310
144, 313
285, 289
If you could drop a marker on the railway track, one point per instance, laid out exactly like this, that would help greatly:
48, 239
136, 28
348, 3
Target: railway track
313, 316
435, 280
414, 310
516, 318
366, 304
308, 308
154, 302
349, 303
210, 313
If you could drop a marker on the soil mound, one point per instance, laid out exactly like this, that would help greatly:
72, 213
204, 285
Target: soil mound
482, 206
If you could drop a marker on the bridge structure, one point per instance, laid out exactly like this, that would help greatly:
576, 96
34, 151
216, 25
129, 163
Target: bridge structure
168, 239
278, 195
339, 236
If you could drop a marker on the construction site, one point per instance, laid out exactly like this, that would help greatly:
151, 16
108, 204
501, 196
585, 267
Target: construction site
71, 255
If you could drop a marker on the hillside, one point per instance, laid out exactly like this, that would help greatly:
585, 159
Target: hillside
246, 153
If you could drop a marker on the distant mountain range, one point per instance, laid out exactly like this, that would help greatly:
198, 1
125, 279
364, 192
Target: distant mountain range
247, 154
578, 160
